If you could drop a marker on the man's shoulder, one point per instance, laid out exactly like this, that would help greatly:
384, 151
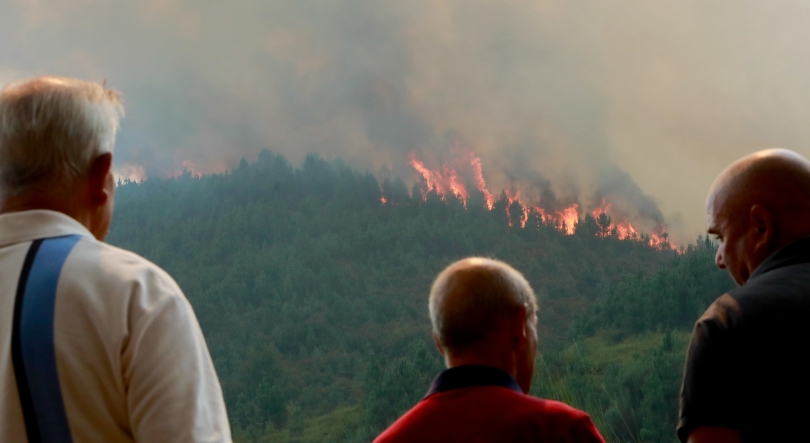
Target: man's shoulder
107, 278
518, 404
501, 407
786, 281
547, 412
553, 408
772, 303
724, 313
782, 291
94, 259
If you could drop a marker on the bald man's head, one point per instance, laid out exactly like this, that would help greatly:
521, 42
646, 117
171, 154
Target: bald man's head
757, 205
472, 297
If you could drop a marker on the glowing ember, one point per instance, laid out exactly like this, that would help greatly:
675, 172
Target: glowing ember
383, 200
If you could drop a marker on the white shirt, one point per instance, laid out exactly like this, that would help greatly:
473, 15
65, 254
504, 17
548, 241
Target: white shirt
131, 359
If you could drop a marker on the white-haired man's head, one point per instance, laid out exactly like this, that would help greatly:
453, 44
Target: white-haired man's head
51, 129
56, 141
483, 312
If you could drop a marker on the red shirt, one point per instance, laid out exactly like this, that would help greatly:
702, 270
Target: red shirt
483, 404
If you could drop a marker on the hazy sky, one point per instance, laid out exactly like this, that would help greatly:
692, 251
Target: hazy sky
644, 100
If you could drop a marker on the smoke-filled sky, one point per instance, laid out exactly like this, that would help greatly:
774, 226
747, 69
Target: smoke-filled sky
642, 100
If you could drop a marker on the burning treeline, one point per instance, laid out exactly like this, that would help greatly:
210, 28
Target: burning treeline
462, 179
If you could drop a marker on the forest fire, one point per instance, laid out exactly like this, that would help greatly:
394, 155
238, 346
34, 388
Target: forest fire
189, 166
130, 172
477, 173
510, 200
568, 218
624, 230
465, 167
441, 181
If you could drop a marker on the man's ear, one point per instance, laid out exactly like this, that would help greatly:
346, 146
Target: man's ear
761, 223
438, 343
97, 179
525, 315
520, 330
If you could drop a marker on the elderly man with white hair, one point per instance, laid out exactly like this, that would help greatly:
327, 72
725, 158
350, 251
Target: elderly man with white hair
96, 343
484, 323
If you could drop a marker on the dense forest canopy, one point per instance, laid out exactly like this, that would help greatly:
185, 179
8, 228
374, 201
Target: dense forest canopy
312, 294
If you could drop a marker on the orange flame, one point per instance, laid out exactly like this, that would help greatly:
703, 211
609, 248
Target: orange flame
130, 171
543, 216
189, 166
441, 182
604, 208
478, 176
429, 176
626, 231
450, 179
660, 239
510, 199
568, 218
456, 185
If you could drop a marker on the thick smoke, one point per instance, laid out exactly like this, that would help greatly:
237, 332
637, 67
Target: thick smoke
635, 101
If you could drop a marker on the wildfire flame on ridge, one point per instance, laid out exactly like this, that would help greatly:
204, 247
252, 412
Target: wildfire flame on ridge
477, 172
189, 166
451, 178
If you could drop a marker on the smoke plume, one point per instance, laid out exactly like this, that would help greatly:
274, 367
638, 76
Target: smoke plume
637, 102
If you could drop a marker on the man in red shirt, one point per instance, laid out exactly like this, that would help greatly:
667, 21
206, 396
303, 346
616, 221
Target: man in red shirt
484, 322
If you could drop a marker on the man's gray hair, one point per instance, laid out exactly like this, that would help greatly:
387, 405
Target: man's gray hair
51, 130
472, 297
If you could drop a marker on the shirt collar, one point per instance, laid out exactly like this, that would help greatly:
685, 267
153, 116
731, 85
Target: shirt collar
18, 227
471, 375
794, 253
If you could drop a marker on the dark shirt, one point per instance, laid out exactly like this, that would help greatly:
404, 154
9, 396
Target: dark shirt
484, 404
747, 363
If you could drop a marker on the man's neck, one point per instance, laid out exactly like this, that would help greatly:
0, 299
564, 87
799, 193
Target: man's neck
34, 200
498, 360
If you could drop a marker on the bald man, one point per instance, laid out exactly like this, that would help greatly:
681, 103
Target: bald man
484, 324
746, 376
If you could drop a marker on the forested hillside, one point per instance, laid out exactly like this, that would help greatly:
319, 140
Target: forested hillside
312, 294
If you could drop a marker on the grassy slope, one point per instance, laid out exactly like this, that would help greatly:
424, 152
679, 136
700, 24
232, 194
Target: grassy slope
591, 375
603, 349
334, 426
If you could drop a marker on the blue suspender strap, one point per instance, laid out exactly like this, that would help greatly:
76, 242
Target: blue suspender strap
32, 345
16, 351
